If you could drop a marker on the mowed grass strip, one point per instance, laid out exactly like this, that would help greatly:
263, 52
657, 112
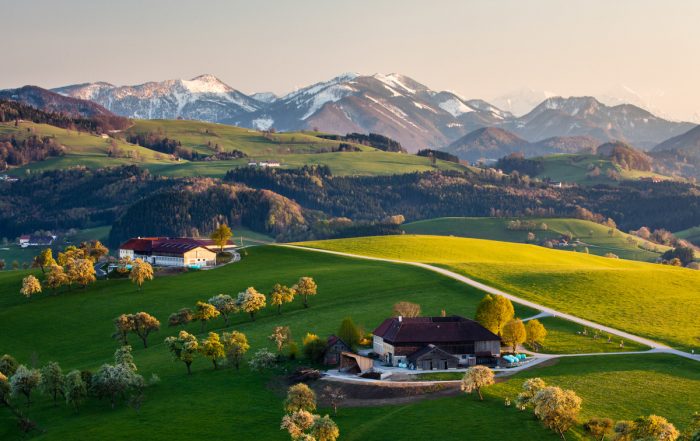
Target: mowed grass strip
651, 300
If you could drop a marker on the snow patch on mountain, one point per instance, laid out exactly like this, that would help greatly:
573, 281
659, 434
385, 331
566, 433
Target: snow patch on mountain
263, 123
395, 81
455, 107
206, 84
330, 94
265, 97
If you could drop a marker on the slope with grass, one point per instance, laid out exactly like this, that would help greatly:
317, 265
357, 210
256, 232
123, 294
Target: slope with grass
74, 328
650, 300
593, 236
691, 234
575, 168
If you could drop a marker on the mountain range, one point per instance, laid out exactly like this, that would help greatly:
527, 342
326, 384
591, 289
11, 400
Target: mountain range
393, 105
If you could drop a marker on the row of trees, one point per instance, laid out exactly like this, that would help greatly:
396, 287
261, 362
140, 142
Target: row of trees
496, 313
231, 346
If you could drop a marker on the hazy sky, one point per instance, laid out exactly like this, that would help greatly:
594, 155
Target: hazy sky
480, 49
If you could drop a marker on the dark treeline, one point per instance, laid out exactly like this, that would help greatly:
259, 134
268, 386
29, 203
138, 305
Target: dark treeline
32, 148
518, 162
438, 154
375, 140
673, 206
14, 111
174, 147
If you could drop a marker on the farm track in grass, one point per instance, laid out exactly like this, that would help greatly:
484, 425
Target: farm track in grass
74, 329
650, 301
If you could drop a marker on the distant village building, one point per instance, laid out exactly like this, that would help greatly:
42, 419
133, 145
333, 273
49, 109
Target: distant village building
36, 241
174, 252
334, 347
8, 178
435, 342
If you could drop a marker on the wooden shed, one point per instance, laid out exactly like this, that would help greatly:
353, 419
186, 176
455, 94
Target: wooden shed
334, 347
354, 364
433, 358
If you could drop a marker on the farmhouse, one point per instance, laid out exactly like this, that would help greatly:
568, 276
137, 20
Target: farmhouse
166, 251
435, 342
35, 241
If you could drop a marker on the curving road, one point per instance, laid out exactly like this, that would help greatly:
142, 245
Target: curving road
655, 346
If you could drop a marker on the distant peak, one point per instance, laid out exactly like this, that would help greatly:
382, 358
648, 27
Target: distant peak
206, 83
207, 78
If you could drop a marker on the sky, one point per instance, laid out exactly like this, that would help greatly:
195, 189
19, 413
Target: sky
479, 49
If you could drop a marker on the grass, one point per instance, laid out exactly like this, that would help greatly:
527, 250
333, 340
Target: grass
691, 234
74, 328
574, 168
651, 300
593, 236
565, 337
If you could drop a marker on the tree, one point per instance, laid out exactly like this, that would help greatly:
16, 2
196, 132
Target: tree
8, 365
493, 312
70, 253
300, 397
297, 424
281, 335
212, 348
530, 388
94, 250
221, 236
2, 264
306, 287
685, 254
122, 326
182, 317
280, 295
598, 427
184, 348
654, 427
313, 347
536, 334
143, 324
30, 286
235, 347
349, 332
514, 333
475, 378
113, 381
56, 277
335, 396
74, 389
124, 357
225, 304
140, 272
24, 381
251, 301
204, 312
52, 380
262, 359
557, 408
324, 429
80, 271
44, 259
406, 309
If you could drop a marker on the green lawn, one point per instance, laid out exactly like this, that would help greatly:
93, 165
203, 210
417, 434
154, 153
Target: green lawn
594, 236
74, 328
565, 337
575, 167
651, 300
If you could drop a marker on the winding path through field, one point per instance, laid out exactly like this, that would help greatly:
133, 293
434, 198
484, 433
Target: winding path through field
655, 346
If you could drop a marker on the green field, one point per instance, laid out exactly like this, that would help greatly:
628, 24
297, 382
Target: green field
292, 150
575, 167
651, 300
74, 328
691, 234
565, 337
593, 236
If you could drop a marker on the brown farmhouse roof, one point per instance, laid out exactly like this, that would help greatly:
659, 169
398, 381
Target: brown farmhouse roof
163, 245
435, 330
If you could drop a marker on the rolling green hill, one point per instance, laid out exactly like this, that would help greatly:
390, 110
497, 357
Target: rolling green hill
292, 150
74, 329
656, 301
595, 237
575, 168
691, 234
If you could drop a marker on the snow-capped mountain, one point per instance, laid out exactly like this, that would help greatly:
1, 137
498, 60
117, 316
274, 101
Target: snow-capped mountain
586, 116
202, 98
521, 101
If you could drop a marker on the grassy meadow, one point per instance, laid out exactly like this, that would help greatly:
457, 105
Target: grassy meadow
593, 236
656, 301
574, 168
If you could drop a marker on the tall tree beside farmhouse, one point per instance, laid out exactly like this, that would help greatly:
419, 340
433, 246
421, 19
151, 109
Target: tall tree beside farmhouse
251, 301
183, 348
30, 286
221, 236
281, 335
225, 304
143, 324
406, 309
52, 380
56, 277
280, 295
80, 271
44, 259
212, 348
558, 409
203, 312
235, 347
306, 287
349, 332
300, 397
140, 272
536, 334
476, 378
514, 333
494, 312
